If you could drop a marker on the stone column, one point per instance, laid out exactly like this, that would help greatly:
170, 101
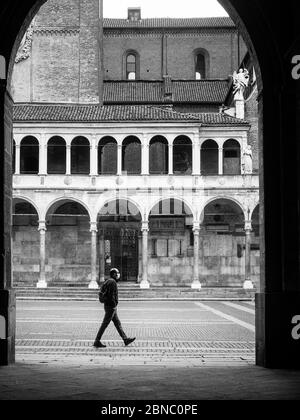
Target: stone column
119, 172
145, 229
68, 163
196, 156
145, 156
196, 283
42, 284
93, 229
220, 160
248, 283
42, 155
93, 158
140, 274
101, 257
170, 158
18, 160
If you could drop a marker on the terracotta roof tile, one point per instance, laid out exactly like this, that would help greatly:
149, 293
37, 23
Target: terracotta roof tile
191, 91
117, 113
207, 22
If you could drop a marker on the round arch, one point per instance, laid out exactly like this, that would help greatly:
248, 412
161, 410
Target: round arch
63, 200
183, 202
227, 198
209, 157
22, 199
223, 214
132, 155
80, 156
201, 65
122, 201
158, 155
56, 155
29, 155
107, 156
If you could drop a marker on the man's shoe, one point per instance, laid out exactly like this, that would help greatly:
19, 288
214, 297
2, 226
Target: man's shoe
98, 344
127, 341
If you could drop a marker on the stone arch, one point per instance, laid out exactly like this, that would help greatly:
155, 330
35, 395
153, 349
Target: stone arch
209, 157
237, 203
29, 155
158, 155
182, 155
231, 157
187, 206
107, 156
56, 203
56, 155
80, 156
132, 155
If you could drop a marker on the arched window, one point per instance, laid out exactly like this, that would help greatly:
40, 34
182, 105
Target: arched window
80, 156
158, 156
200, 70
232, 157
29, 156
131, 155
56, 156
107, 156
182, 156
131, 65
209, 158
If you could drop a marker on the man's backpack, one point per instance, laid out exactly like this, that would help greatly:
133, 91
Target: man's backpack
102, 294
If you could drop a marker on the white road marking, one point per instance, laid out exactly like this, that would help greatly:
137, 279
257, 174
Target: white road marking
228, 317
240, 307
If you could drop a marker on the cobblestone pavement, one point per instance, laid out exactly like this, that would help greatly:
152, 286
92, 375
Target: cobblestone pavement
189, 333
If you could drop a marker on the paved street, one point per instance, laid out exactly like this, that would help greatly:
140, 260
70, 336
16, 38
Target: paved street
185, 332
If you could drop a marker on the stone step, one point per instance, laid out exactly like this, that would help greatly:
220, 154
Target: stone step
136, 293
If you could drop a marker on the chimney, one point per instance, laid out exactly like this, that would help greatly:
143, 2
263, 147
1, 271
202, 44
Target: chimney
134, 14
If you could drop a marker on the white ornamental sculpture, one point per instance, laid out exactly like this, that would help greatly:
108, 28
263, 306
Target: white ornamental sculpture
240, 82
247, 160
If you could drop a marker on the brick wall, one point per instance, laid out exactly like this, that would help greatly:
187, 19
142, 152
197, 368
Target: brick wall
63, 65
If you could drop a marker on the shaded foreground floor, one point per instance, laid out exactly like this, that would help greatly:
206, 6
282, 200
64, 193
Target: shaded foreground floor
73, 381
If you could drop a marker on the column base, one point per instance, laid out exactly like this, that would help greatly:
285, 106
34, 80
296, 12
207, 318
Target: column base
196, 285
144, 284
248, 284
93, 285
7, 327
42, 285
278, 330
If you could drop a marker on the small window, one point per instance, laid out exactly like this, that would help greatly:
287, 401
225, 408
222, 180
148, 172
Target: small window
131, 67
200, 67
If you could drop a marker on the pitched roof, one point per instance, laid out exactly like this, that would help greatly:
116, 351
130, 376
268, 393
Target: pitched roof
116, 113
206, 22
188, 91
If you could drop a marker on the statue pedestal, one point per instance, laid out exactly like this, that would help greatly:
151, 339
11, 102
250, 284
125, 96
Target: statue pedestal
239, 108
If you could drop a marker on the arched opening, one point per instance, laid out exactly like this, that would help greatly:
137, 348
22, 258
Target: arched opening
68, 247
25, 240
222, 244
56, 156
29, 156
182, 156
231, 157
201, 58
80, 156
171, 243
131, 66
209, 158
131, 155
158, 155
119, 224
107, 156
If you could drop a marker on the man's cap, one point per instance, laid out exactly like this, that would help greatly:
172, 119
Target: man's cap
113, 270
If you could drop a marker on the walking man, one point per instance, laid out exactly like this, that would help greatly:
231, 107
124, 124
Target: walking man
109, 291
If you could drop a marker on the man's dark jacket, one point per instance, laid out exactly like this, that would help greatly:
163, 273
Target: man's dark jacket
110, 289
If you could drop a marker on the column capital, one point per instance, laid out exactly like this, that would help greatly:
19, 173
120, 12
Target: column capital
42, 226
196, 227
145, 226
93, 227
248, 225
